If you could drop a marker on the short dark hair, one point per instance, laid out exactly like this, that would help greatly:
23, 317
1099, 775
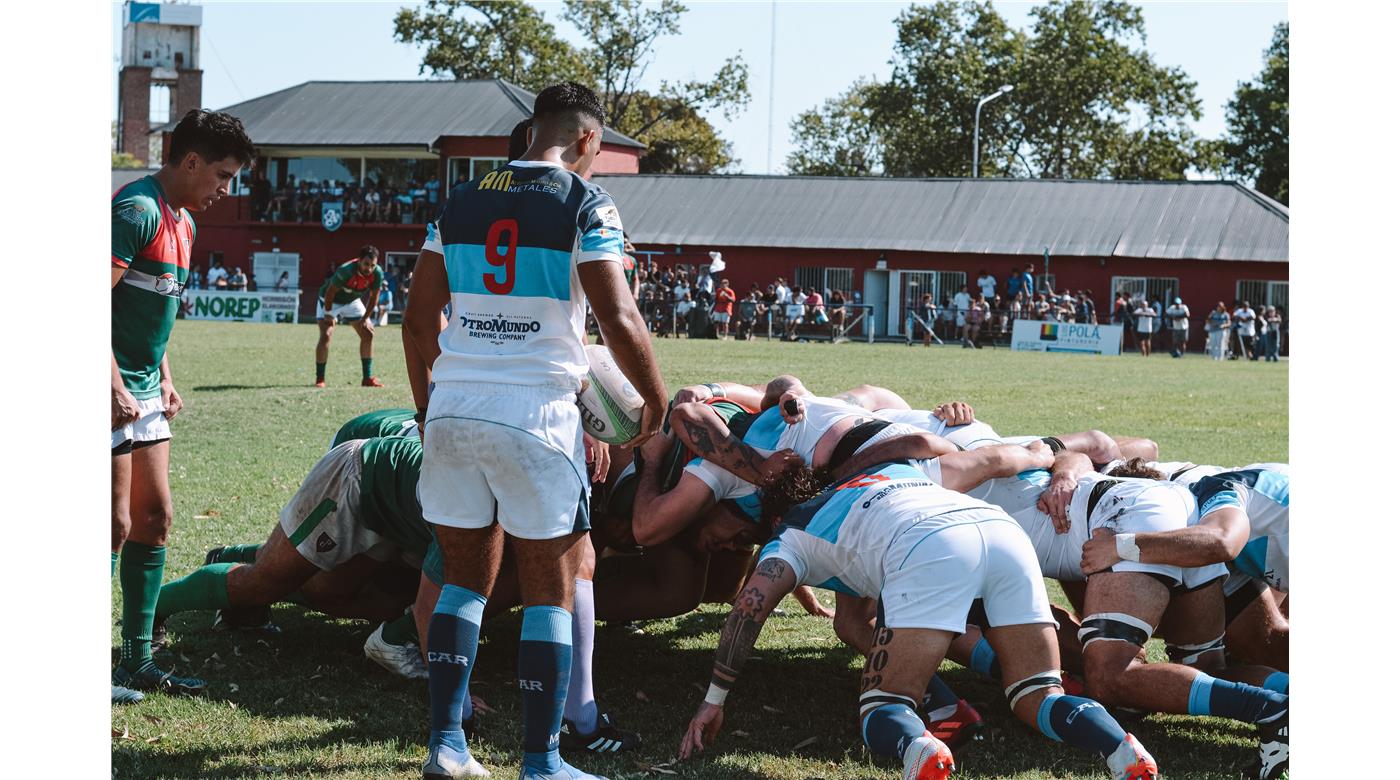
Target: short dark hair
569, 97
369, 250
213, 135
519, 139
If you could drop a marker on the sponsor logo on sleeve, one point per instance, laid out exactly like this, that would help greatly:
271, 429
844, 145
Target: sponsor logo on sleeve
132, 213
609, 217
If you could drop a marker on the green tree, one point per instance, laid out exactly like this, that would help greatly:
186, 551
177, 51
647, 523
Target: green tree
122, 159
620, 40
838, 138
483, 39
1256, 147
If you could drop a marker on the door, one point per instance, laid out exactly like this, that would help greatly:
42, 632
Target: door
913, 285
876, 294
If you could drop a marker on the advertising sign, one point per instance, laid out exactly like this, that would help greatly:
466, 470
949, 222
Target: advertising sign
1037, 336
239, 306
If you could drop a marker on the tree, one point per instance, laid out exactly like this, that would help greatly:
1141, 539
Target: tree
620, 45
1256, 147
122, 159
838, 138
484, 39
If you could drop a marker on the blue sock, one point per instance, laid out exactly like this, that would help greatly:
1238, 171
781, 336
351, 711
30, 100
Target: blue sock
1080, 722
452, 635
545, 640
1276, 682
937, 696
1238, 701
580, 706
889, 729
984, 660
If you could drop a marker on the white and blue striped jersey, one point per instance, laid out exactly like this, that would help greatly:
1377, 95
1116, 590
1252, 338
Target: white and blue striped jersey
1263, 495
838, 540
511, 241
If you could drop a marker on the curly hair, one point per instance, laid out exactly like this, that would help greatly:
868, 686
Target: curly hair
1136, 467
796, 486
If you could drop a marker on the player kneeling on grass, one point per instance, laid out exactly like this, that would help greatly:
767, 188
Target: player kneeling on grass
927, 553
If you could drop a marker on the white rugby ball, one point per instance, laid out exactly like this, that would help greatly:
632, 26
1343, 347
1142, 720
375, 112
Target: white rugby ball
610, 406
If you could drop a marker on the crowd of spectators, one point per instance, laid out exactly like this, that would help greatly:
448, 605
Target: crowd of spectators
672, 302
363, 202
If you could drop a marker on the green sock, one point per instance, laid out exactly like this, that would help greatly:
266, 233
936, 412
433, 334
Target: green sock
367, 365
141, 570
320, 372
203, 588
401, 630
239, 553
114, 565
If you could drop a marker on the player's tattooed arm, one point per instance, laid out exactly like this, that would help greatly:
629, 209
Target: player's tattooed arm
702, 431
772, 580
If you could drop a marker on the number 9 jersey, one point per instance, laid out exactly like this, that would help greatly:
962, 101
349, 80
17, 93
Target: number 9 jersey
511, 242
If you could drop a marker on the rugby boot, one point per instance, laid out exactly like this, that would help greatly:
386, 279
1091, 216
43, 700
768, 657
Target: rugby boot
1131, 761
927, 758
320, 383
121, 695
403, 660
953, 729
257, 620
606, 738
371, 381
152, 678
565, 772
444, 763
1272, 763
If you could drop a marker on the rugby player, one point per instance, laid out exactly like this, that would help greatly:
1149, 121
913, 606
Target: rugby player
515, 253
342, 296
927, 553
370, 425
152, 234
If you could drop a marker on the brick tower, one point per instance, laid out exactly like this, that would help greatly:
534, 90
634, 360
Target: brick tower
160, 48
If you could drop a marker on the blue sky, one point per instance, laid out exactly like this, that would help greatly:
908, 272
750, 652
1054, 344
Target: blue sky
253, 48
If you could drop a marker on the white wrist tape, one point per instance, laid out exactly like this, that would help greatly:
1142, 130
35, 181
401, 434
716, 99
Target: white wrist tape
716, 695
1127, 547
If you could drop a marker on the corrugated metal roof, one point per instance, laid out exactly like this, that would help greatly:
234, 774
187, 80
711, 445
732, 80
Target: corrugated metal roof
1149, 219
387, 113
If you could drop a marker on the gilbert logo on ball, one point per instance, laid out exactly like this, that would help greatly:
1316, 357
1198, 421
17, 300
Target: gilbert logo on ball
611, 408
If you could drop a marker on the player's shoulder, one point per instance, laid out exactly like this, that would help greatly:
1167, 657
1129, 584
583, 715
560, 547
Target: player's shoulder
137, 203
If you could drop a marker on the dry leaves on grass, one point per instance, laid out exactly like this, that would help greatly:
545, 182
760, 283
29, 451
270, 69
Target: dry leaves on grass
808, 742
642, 697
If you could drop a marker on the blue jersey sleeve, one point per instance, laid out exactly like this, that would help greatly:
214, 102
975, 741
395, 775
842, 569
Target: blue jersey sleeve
600, 229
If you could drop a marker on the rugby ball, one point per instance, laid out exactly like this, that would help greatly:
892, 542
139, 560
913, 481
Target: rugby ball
610, 407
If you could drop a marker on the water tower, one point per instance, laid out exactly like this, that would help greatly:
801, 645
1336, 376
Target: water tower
160, 63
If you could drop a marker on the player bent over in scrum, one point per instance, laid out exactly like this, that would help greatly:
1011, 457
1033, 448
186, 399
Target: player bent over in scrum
927, 553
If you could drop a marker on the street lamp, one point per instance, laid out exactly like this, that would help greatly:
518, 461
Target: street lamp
977, 128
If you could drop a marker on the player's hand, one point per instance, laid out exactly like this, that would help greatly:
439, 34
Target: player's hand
171, 399
1043, 456
776, 465
479, 705
954, 413
793, 407
650, 423
124, 408
703, 729
809, 602
328, 320
368, 322
1100, 552
596, 453
693, 393
1055, 502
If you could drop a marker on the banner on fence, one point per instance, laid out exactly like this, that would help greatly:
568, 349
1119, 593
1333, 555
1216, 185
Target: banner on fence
239, 306
1037, 336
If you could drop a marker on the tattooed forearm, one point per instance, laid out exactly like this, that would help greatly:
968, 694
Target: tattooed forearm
700, 439
740, 632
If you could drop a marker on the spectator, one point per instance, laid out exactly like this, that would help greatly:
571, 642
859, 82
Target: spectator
748, 315
1014, 282
1159, 320
1144, 315
793, 313
815, 307
1217, 329
988, 283
962, 301
1041, 308
975, 317
261, 200
283, 281
1084, 310
1245, 319
998, 316
681, 290
386, 302
1028, 280
927, 313
838, 312
1178, 316
196, 278
1272, 323
217, 276
724, 306
239, 280
705, 289
683, 306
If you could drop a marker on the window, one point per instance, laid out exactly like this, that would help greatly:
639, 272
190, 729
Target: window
160, 104
1262, 293
316, 170
824, 279
914, 284
460, 169
1163, 288
399, 174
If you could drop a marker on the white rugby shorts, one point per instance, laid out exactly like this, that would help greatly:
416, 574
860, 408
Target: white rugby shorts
353, 310
150, 426
322, 521
934, 571
504, 453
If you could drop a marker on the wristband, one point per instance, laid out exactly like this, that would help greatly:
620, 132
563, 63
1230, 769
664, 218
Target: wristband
421, 417
715, 390
1127, 547
716, 695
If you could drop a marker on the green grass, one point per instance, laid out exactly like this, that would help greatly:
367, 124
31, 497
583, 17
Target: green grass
309, 705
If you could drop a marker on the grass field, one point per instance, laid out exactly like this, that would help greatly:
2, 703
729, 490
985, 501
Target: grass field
308, 704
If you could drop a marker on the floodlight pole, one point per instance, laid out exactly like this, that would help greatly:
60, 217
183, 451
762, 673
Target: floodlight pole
977, 128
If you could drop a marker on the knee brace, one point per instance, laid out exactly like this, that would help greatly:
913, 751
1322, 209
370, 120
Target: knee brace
1115, 626
1190, 654
1017, 690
